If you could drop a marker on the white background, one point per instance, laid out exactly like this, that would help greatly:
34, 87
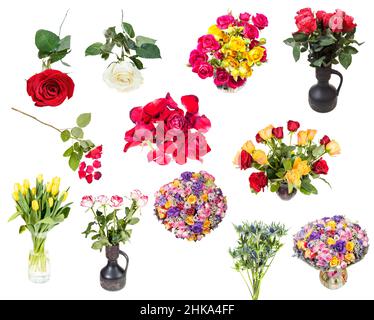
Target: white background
161, 266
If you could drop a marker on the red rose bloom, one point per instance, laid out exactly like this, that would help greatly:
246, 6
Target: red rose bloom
258, 138
245, 16
321, 167
176, 120
251, 32
204, 70
305, 21
258, 181
236, 84
260, 21
221, 77
278, 132
325, 140
50, 88
348, 24
293, 126
320, 15
197, 57
225, 21
208, 43
245, 160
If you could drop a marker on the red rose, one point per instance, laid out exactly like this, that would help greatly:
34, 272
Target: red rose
208, 43
245, 16
293, 126
197, 57
265, 55
326, 19
236, 84
176, 120
221, 77
320, 15
50, 88
278, 132
258, 181
204, 70
225, 21
245, 160
260, 21
325, 140
305, 21
321, 167
259, 139
349, 25
251, 32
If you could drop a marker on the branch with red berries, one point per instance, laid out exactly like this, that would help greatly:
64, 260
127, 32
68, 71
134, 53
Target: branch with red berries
80, 147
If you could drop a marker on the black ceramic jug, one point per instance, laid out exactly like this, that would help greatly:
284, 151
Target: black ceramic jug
283, 192
113, 276
323, 96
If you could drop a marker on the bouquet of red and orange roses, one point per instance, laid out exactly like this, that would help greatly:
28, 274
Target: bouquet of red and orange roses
286, 168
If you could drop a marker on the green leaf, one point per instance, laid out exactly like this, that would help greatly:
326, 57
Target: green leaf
140, 40
326, 41
110, 33
46, 41
325, 181
296, 52
300, 37
65, 64
307, 186
319, 151
94, 49
22, 229
77, 132
319, 62
134, 221
47, 220
350, 50
14, 216
129, 29
84, 120
57, 56
290, 42
64, 43
290, 188
74, 161
68, 152
275, 187
66, 211
65, 135
137, 62
287, 164
345, 59
148, 51
97, 245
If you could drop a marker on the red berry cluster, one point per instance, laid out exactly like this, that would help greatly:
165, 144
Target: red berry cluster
90, 172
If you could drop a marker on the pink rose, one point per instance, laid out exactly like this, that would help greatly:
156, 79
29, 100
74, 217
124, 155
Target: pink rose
87, 201
260, 21
208, 43
236, 84
336, 22
348, 24
251, 32
197, 57
245, 16
221, 77
176, 120
204, 70
116, 201
102, 199
224, 22
305, 21
139, 198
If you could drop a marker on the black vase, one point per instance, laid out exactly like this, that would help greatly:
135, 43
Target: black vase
323, 96
113, 276
283, 192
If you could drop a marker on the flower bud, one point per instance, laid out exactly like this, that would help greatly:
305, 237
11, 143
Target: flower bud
35, 205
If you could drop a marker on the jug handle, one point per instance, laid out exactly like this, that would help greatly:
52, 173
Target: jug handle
341, 79
127, 260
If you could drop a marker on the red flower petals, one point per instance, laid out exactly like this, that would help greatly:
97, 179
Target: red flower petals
191, 103
88, 172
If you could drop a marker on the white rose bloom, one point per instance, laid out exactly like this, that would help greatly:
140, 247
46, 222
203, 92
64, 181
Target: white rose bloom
123, 76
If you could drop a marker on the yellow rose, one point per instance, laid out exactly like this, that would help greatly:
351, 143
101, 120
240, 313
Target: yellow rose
301, 166
311, 134
349, 257
50, 202
334, 262
216, 32
302, 138
248, 147
293, 177
331, 241
230, 62
350, 246
332, 225
35, 205
190, 220
39, 178
245, 71
260, 157
168, 204
229, 53
237, 44
256, 54
235, 74
191, 199
15, 196
267, 133
55, 189
333, 148
26, 184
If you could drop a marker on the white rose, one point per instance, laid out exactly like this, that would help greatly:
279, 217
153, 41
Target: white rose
123, 76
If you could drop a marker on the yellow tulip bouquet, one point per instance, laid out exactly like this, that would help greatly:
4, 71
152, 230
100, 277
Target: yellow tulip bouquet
41, 208
287, 167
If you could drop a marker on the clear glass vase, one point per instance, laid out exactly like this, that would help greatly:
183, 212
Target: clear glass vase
39, 267
333, 279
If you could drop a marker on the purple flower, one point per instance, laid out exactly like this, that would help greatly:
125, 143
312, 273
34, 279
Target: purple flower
197, 227
186, 176
337, 219
340, 246
314, 236
173, 212
197, 187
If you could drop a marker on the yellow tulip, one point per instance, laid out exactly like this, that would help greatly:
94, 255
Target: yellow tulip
248, 147
33, 191
17, 187
49, 187
26, 185
50, 202
333, 148
260, 157
311, 134
56, 181
15, 196
302, 138
267, 133
35, 205
39, 178
55, 190
293, 177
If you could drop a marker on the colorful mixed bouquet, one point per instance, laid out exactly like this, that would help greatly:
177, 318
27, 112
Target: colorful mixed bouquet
124, 74
286, 167
191, 206
41, 208
331, 245
258, 244
51, 87
80, 147
111, 229
230, 50
169, 131
327, 36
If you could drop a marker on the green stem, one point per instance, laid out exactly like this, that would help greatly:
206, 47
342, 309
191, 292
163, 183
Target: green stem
246, 283
62, 23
